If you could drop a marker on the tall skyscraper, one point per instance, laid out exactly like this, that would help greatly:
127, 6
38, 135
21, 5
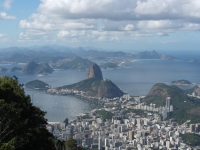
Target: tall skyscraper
168, 102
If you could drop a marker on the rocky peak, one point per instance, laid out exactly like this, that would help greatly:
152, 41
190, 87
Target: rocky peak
33, 67
29, 67
94, 72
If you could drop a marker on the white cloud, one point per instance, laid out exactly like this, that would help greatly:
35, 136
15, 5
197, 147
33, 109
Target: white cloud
3, 35
73, 33
114, 38
4, 38
128, 27
3, 15
7, 4
80, 19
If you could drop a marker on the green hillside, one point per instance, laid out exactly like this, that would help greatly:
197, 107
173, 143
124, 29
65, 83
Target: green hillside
96, 87
183, 105
37, 84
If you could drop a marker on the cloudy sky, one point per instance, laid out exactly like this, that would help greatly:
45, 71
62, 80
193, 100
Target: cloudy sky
109, 24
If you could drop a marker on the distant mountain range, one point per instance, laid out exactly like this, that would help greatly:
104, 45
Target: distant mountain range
55, 54
76, 63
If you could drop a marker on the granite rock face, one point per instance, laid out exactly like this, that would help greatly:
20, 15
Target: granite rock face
94, 72
197, 90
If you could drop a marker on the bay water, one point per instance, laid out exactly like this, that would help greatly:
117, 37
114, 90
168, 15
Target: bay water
137, 79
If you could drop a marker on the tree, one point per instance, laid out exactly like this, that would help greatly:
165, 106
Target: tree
21, 123
72, 145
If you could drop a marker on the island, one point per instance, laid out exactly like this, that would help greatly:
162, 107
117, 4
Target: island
109, 65
37, 85
33, 67
2, 69
15, 69
181, 83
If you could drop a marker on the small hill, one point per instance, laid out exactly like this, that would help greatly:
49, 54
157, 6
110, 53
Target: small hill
37, 84
3, 69
153, 55
16, 69
33, 67
185, 108
96, 87
168, 57
181, 82
147, 55
109, 65
94, 72
77, 63
160, 91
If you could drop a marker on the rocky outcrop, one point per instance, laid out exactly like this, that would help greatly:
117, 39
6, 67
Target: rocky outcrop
104, 89
95, 85
197, 90
33, 67
30, 67
94, 72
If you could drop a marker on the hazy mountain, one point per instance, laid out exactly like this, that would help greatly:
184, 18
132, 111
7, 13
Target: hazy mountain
54, 53
76, 63
33, 67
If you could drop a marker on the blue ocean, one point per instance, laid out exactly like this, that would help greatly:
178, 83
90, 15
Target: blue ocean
136, 79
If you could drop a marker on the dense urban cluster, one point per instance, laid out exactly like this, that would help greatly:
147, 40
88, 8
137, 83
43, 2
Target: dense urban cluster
125, 130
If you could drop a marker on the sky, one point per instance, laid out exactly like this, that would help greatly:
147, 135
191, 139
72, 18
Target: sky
109, 24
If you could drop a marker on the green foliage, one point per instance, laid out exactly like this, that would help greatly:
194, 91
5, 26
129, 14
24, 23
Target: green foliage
182, 115
191, 139
21, 123
138, 112
84, 85
37, 84
181, 102
71, 145
105, 114
60, 145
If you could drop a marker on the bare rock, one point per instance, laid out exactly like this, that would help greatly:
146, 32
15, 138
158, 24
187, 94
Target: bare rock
94, 72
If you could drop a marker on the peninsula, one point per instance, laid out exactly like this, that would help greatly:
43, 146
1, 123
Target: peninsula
94, 86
